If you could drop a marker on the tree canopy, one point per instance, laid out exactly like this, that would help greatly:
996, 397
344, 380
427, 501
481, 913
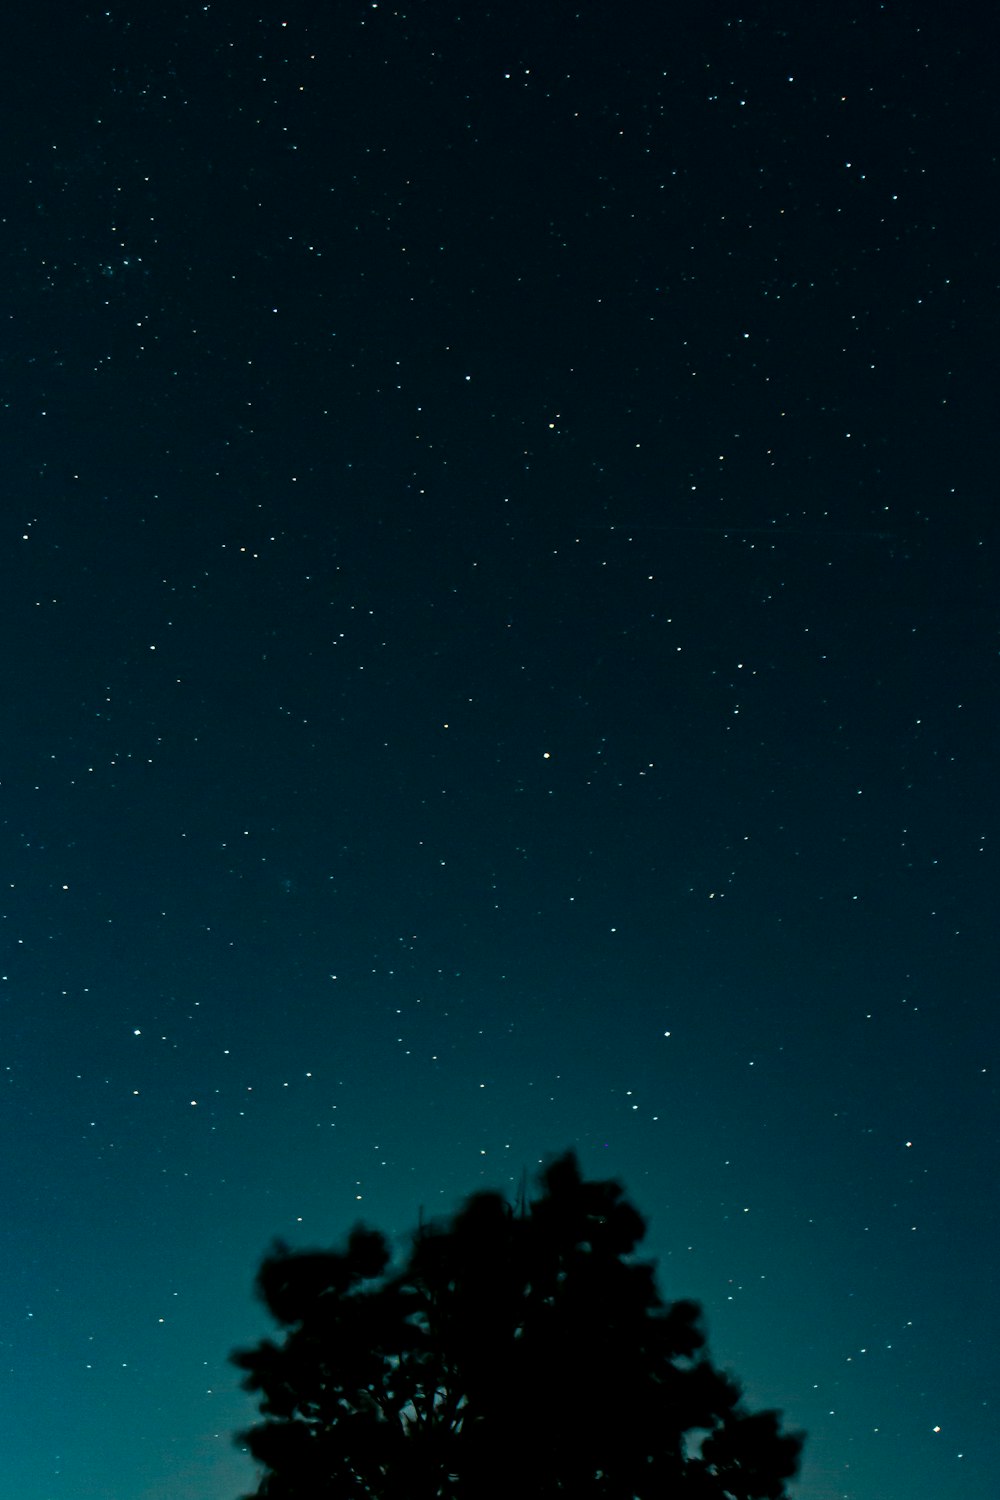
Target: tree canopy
517, 1351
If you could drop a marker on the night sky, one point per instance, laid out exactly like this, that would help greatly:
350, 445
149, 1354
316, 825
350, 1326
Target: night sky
500, 654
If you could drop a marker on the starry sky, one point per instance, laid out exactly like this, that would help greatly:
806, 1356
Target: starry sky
498, 589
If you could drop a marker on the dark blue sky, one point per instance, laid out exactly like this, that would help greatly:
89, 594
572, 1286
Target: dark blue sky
499, 567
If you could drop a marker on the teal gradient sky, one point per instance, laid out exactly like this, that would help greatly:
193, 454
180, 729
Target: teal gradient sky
499, 560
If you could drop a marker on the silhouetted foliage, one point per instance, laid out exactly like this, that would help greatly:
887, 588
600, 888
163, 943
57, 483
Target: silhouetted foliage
521, 1354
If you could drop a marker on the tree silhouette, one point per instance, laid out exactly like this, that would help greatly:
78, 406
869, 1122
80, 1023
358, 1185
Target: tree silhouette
517, 1353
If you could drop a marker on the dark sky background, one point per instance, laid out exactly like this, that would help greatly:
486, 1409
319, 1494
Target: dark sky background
500, 653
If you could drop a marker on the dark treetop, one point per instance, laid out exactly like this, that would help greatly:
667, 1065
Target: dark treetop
514, 1350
